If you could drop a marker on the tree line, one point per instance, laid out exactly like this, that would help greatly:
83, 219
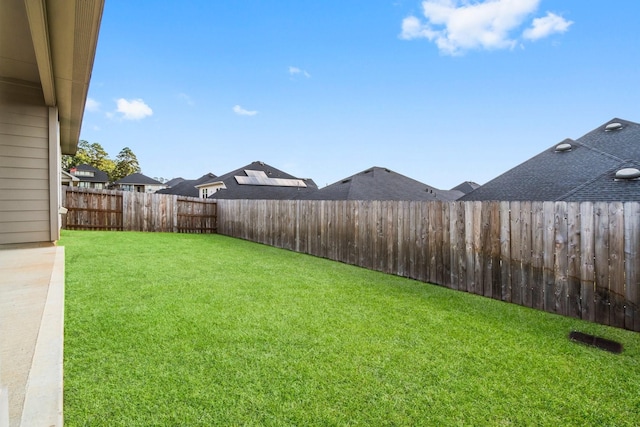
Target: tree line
95, 155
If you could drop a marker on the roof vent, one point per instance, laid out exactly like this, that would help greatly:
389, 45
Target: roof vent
613, 126
565, 146
628, 173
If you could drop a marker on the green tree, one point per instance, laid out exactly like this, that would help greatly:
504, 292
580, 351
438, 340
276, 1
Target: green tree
126, 163
81, 156
99, 159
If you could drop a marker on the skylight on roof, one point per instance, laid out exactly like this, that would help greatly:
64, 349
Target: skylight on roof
628, 174
613, 126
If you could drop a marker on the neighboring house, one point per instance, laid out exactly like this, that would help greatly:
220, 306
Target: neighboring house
138, 183
187, 187
466, 187
46, 58
68, 180
257, 180
173, 182
603, 165
89, 177
378, 183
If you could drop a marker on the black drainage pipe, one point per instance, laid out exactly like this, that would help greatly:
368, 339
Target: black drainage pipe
592, 340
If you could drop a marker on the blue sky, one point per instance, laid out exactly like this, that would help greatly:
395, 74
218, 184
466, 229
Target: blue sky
442, 91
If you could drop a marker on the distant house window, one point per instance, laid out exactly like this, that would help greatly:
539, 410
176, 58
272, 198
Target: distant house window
99, 185
84, 184
126, 187
205, 193
84, 173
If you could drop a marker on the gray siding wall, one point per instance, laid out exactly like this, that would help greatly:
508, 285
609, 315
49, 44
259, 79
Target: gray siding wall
24, 165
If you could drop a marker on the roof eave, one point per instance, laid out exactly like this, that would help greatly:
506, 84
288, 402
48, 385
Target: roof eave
65, 37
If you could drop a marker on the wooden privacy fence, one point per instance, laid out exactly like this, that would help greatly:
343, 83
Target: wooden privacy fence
574, 259
91, 209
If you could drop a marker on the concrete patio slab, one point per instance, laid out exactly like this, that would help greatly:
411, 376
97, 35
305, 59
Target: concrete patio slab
31, 334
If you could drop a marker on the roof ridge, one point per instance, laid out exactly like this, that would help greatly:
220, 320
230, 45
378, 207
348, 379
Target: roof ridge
597, 150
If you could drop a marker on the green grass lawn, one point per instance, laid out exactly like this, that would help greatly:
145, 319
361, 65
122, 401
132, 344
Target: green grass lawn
188, 330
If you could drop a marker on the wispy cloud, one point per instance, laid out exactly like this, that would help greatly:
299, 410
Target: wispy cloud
134, 109
456, 26
92, 105
242, 112
544, 27
186, 98
293, 71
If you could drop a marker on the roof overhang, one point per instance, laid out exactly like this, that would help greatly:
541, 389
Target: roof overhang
66, 176
214, 184
52, 43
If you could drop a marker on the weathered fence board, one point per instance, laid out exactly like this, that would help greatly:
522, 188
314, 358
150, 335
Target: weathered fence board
602, 262
587, 262
537, 255
525, 254
548, 261
505, 251
516, 254
616, 264
93, 209
632, 265
575, 259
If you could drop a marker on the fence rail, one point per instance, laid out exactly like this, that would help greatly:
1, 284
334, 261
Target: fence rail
92, 209
574, 259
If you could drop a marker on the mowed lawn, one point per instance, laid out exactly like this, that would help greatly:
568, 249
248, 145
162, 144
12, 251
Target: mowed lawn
202, 330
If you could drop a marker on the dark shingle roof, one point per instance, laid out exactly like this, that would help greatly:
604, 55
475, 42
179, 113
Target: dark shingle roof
606, 187
187, 186
98, 175
466, 187
138, 179
235, 190
378, 183
586, 171
174, 181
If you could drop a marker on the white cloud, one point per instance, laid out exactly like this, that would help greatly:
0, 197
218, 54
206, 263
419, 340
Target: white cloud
92, 105
543, 27
136, 109
460, 25
412, 28
242, 112
295, 70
